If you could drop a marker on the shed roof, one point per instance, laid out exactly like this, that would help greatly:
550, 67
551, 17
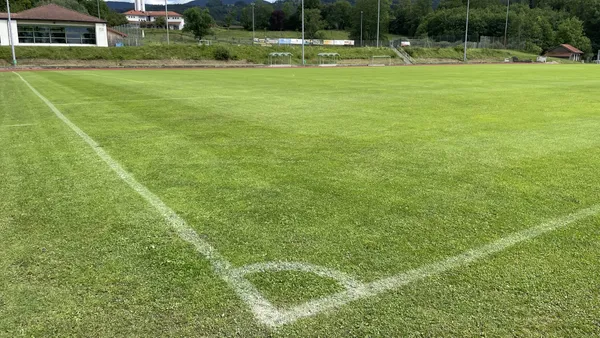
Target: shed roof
52, 12
571, 48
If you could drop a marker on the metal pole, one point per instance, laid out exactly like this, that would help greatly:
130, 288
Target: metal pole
361, 28
303, 62
10, 36
167, 20
467, 31
253, 23
506, 26
378, 13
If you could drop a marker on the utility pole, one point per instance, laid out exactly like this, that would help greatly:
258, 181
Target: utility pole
303, 62
506, 26
361, 29
167, 20
467, 31
253, 23
98, 3
378, 13
10, 36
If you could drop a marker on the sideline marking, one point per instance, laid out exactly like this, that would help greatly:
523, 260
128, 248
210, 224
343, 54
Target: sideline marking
274, 317
17, 125
110, 77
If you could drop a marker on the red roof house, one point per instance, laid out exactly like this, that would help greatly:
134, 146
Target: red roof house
565, 51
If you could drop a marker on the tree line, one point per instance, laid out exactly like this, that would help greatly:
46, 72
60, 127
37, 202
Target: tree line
536, 24
89, 7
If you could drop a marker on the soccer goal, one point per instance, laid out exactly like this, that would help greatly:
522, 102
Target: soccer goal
381, 60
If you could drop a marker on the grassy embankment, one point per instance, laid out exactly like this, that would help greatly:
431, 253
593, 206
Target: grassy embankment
251, 54
455, 55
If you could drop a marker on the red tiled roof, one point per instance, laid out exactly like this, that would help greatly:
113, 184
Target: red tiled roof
52, 12
151, 13
571, 48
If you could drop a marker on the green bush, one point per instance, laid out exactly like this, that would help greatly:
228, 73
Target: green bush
222, 54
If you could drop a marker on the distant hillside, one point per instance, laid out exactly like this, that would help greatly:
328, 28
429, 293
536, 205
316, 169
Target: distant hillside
120, 6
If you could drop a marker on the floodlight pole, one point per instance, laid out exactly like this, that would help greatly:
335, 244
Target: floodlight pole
506, 26
10, 36
378, 13
167, 20
303, 62
253, 23
467, 31
361, 28
98, 4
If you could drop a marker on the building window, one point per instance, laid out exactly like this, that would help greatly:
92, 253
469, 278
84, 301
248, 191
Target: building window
57, 34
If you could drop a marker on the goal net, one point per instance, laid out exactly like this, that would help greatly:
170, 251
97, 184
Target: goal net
381, 60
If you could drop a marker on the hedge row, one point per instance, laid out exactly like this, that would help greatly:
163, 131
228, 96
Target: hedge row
254, 54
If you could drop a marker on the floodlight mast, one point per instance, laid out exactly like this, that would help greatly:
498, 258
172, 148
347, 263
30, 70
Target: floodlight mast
378, 13
10, 36
506, 26
361, 28
303, 33
253, 23
466, 31
167, 20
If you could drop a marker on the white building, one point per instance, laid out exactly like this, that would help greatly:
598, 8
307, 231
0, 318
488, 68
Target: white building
139, 14
175, 19
52, 25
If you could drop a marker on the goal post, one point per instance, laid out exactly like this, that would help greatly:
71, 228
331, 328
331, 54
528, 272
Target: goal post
381, 60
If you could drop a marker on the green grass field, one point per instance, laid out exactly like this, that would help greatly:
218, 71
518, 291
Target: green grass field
389, 180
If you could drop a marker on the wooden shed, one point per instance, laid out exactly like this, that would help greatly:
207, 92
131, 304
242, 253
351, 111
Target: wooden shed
565, 51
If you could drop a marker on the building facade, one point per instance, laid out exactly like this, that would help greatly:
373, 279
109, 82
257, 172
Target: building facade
566, 51
52, 25
136, 17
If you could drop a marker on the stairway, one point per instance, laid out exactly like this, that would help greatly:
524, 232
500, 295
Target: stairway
403, 55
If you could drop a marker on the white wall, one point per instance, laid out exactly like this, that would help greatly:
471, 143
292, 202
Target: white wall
4, 33
101, 35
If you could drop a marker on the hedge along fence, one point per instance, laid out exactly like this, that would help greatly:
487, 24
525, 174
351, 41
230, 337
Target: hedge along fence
253, 54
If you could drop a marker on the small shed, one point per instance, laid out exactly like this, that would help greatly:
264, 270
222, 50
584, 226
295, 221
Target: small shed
115, 38
565, 51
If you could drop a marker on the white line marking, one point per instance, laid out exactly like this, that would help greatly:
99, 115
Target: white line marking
263, 310
111, 77
17, 125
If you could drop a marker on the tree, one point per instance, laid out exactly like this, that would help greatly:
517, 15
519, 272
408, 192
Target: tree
228, 20
198, 21
401, 23
571, 31
277, 20
17, 5
369, 9
262, 15
312, 23
338, 14
160, 22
